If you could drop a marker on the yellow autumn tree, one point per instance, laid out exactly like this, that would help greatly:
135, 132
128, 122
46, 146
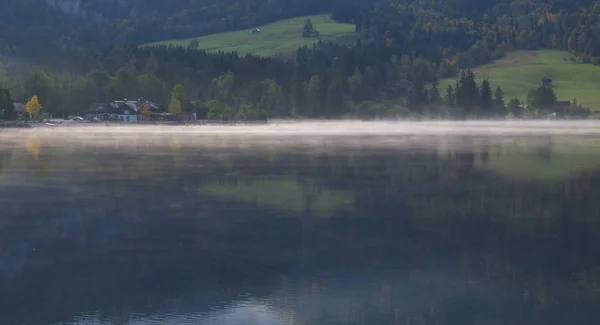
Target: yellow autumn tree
33, 106
146, 111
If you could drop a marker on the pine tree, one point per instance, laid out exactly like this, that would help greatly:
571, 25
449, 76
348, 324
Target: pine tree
335, 92
355, 83
309, 29
7, 107
313, 96
499, 97
485, 98
499, 105
450, 99
467, 92
298, 94
434, 94
417, 96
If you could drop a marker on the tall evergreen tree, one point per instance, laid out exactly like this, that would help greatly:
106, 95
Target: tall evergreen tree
499, 97
499, 104
335, 92
313, 96
417, 96
485, 98
542, 98
356, 84
467, 92
434, 94
450, 99
298, 94
7, 108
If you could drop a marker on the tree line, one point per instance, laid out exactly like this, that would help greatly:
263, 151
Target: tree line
326, 81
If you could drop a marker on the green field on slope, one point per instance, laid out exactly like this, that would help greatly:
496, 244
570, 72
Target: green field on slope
284, 37
519, 72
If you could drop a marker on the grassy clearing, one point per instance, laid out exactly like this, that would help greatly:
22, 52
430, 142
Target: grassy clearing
519, 72
282, 37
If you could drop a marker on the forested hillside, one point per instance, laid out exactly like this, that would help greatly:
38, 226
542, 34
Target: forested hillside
56, 25
403, 47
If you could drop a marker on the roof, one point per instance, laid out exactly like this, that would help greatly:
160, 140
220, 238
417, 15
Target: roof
121, 107
20, 108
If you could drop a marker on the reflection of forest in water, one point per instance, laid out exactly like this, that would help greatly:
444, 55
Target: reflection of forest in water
444, 233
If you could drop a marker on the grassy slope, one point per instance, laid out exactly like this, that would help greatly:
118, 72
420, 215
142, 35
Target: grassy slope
519, 72
284, 36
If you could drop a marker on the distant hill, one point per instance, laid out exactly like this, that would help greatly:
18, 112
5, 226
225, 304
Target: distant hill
519, 72
282, 37
30, 27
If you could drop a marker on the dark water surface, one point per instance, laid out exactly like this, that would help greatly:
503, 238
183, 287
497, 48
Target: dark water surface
228, 226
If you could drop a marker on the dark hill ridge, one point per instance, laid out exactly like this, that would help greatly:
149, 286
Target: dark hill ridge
97, 24
59, 25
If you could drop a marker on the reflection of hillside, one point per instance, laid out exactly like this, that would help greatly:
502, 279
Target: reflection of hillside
551, 160
412, 235
284, 194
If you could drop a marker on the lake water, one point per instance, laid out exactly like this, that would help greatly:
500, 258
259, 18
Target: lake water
483, 223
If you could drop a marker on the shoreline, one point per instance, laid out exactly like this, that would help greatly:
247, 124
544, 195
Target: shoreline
61, 124
14, 125
67, 123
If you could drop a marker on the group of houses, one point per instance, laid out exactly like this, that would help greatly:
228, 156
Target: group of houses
137, 110
123, 111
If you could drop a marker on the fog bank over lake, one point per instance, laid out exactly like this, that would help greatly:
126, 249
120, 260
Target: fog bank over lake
283, 132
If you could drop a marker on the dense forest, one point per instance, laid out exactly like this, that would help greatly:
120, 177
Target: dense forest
86, 51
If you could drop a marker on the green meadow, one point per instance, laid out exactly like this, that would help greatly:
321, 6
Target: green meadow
282, 37
519, 72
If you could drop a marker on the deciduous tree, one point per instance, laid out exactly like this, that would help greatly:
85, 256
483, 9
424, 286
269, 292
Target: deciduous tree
146, 111
174, 106
542, 98
33, 106
177, 97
